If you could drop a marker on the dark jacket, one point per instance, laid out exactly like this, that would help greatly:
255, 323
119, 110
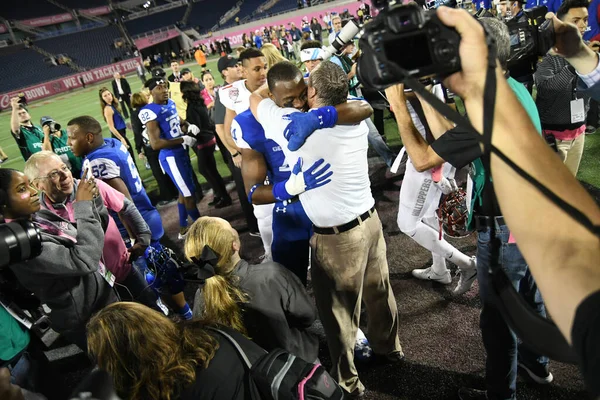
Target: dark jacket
197, 114
124, 86
279, 311
138, 129
65, 276
556, 82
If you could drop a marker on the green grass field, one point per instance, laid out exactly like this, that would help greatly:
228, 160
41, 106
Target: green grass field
85, 102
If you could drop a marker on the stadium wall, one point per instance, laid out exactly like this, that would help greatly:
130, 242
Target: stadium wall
70, 82
235, 33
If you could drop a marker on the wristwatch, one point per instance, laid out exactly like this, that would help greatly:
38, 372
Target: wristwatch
237, 153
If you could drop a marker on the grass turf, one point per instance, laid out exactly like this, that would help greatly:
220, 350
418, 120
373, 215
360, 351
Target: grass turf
86, 102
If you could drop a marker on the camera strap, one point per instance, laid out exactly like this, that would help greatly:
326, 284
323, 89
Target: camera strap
486, 138
536, 332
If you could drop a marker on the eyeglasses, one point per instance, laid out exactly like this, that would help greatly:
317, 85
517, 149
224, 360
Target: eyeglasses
56, 174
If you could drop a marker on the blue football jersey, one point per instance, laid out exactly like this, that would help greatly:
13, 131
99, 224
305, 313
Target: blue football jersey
168, 122
114, 161
246, 129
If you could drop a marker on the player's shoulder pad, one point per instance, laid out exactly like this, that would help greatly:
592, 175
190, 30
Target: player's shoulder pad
149, 113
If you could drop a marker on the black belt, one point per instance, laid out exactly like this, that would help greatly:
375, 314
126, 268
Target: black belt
483, 221
346, 227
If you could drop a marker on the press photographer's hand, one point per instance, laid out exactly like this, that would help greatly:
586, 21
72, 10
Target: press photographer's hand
469, 82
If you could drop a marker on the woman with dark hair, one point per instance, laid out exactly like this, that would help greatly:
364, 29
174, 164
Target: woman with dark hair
197, 114
151, 357
317, 29
267, 301
66, 275
111, 111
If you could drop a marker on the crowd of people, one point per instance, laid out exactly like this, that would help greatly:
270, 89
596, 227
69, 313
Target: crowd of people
295, 141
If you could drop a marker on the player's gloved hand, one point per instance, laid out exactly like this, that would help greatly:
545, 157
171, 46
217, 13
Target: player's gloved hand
446, 185
300, 181
193, 130
302, 125
188, 141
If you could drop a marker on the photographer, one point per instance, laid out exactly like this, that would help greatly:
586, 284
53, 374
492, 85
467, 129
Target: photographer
29, 137
561, 253
55, 139
563, 108
67, 275
460, 148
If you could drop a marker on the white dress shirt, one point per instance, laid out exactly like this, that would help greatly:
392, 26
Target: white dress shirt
348, 195
119, 86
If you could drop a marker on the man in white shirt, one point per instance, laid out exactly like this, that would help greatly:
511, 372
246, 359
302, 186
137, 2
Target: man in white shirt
336, 22
348, 249
236, 99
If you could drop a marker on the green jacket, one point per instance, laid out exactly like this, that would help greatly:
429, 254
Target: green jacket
13, 337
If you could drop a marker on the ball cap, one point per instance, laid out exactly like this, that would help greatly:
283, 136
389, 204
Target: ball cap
226, 62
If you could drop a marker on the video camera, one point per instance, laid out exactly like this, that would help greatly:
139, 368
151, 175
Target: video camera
410, 38
51, 123
529, 39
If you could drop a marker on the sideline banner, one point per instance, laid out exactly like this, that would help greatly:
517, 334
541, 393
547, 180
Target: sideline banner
66, 83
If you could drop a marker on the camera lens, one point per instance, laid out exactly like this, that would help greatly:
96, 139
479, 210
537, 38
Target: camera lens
444, 51
19, 241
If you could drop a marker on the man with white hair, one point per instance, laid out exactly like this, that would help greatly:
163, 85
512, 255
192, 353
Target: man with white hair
50, 175
336, 23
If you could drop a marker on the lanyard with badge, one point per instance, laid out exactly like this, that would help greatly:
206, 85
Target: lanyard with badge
577, 105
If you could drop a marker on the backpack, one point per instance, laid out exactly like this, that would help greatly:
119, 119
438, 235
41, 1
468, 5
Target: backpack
279, 375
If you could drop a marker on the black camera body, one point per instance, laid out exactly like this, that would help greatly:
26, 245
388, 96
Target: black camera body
54, 126
530, 38
410, 38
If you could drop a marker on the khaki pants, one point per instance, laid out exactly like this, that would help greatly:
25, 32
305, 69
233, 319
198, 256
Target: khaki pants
346, 268
570, 152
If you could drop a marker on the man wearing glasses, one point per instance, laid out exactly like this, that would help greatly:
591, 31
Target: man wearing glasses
52, 177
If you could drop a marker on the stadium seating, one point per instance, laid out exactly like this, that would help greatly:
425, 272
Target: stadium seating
27, 9
155, 21
87, 49
27, 68
205, 16
84, 4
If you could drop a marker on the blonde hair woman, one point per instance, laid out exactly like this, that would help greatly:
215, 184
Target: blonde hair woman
267, 302
272, 54
151, 357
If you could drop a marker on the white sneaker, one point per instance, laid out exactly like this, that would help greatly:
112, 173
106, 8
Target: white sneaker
466, 278
428, 274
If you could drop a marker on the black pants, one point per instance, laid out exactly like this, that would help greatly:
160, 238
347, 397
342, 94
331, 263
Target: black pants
236, 173
123, 133
126, 100
167, 188
207, 166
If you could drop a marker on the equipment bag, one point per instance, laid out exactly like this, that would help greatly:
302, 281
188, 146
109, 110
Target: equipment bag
279, 375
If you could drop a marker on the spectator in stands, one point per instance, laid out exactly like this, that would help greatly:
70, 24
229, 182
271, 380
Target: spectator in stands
336, 22
122, 92
175, 73
167, 190
28, 136
197, 114
171, 360
66, 275
111, 111
55, 139
50, 175
563, 109
272, 55
296, 35
317, 29
266, 302
200, 57
258, 39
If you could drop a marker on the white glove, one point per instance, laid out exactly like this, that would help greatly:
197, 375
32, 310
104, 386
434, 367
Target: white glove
193, 130
188, 140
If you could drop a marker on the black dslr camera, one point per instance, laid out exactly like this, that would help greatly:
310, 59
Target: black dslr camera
408, 37
529, 39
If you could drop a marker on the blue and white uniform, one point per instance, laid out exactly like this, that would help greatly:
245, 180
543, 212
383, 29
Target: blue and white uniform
112, 160
292, 228
174, 161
